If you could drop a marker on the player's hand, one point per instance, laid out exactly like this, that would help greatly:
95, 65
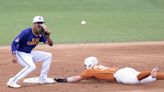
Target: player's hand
46, 31
61, 79
14, 60
45, 28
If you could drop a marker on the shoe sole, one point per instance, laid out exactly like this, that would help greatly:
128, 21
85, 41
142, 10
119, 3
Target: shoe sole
12, 86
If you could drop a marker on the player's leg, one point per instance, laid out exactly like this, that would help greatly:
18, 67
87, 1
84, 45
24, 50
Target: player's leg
25, 59
160, 76
151, 77
143, 75
45, 58
156, 74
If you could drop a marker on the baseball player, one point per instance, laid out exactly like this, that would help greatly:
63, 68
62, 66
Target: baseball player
125, 75
22, 52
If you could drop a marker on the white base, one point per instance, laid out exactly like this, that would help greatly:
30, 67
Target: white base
35, 80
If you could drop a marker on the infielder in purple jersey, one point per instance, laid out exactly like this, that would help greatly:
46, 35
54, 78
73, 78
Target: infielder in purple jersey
22, 52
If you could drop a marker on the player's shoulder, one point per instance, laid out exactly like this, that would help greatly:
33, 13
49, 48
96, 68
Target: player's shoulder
27, 30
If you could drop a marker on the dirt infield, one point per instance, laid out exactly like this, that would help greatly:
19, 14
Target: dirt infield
68, 61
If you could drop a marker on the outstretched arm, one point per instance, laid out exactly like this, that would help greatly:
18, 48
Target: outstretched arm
70, 79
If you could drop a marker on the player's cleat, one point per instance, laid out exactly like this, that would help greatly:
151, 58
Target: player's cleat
12, 84
36, 80
154, 71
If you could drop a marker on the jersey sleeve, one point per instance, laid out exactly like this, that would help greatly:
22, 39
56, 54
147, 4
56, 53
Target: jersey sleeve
16, 41
87, 73
43, 39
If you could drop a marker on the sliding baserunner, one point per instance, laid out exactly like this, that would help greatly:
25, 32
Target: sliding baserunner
126, 75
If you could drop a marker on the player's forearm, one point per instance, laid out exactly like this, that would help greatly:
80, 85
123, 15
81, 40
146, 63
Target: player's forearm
49, 42
74, 79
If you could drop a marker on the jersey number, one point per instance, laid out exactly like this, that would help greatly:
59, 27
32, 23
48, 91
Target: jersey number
102, 68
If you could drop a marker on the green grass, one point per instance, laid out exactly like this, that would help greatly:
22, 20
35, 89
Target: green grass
107, 20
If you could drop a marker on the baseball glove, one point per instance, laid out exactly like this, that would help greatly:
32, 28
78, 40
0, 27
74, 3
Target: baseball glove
61, 79
44, 32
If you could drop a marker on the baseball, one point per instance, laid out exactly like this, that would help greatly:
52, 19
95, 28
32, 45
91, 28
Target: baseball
83, 22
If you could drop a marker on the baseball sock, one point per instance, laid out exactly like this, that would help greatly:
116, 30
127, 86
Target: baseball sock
143, 75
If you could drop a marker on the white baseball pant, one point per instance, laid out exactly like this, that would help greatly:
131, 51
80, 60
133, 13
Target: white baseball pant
129, 75
27, 61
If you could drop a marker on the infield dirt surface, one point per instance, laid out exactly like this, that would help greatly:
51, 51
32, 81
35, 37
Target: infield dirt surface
68, 61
